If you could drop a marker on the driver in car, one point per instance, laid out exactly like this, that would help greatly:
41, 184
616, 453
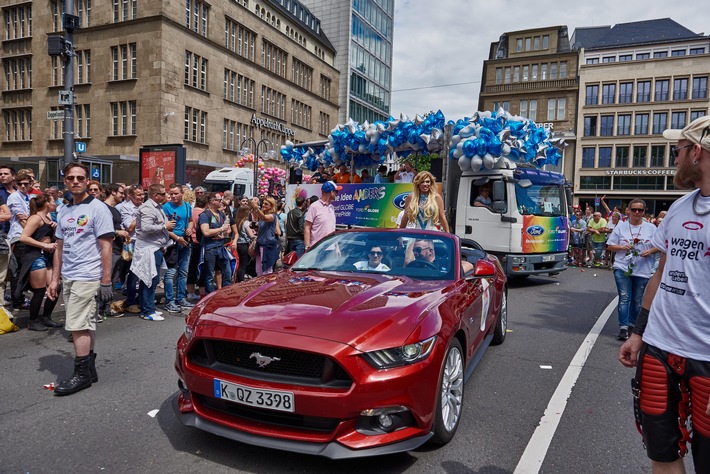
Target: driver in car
423, 250
373, 262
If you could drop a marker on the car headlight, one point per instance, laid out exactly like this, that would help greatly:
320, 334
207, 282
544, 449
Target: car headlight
399, 356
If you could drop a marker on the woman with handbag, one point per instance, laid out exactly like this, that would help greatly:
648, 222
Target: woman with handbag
267, 243
243, 238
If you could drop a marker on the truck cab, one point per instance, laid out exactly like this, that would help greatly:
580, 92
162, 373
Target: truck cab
526, 223
238, 180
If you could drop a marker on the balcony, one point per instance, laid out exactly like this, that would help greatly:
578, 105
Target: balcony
531, 86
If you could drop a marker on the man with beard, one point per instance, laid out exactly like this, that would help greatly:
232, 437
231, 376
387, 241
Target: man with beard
671, 339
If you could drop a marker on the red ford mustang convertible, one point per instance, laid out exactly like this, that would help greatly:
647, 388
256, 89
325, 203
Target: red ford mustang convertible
361, 348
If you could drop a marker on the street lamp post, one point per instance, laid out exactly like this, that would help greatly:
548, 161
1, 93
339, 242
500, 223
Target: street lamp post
257, 145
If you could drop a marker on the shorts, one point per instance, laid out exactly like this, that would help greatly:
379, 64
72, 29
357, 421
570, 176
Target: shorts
577, 245
80, 304
39, 263
672, 389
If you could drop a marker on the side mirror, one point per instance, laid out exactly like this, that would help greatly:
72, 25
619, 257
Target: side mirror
290, 258
498, 197
484, 268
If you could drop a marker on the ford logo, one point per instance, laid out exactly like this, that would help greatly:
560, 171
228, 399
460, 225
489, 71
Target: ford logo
398, 200
535, 230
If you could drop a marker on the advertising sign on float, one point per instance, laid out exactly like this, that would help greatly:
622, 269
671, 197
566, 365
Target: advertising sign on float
162, 164
367, 205
542, 234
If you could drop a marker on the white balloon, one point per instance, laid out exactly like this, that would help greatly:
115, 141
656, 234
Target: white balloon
458, 153
465, 163
289, 144
455, 140
476, 163
467, 131
488, 161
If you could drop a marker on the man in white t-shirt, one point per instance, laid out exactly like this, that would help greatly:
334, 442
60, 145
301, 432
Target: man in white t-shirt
83, 260
671, 339
405, 174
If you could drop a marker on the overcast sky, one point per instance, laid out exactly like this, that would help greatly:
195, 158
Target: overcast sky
443, 42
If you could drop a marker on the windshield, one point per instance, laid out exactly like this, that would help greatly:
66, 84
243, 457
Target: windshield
540, 200
218, 187
418, 256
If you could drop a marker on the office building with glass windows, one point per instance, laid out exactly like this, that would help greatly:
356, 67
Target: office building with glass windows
635, 80
532, 73
362, 33
202, 74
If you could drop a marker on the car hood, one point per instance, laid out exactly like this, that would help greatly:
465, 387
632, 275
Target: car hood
360, 310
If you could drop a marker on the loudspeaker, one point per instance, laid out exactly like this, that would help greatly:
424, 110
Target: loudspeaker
436, 169
295, 176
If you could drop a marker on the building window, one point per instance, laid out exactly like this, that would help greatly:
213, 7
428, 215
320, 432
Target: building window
696, 114
123, 118
324, 124
528, 44
546, 42
641, 56
506, 77
124, 58
239, 39
680, 89
273, 58
591, 94
523, 108
83, 67
678, 52
122, 12
658, 156
504, 105
518, 45
697, 51
626, 92
516, 74
195, 71
609, 59
592, 61
499, 75
553, 71
556, 108
526, 70
625, 57
660, 54
196, 14
678, 120
301, 74
604, 157
623, 124
641, 124
18, 73
18, 125
57, 71
238, 89
18, 21
606, 126
273, 102
532, 113
536, 43
534, 74
608, 93
639, 157
325, 84
543, 71
82, 115
590, 126
700, 87
82, 10
588, 157
595, 182
662, 89
660, 122
300, 114
195, 125
563, 70
643, 91
622, 157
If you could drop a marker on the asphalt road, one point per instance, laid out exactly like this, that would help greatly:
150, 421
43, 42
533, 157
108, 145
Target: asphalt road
114, 427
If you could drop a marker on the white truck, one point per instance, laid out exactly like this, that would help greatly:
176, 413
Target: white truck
238, 180
527, 224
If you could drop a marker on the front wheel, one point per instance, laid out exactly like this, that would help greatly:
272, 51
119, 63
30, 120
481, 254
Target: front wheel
450, 403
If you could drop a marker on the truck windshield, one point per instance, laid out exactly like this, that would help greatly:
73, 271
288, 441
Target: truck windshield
541, 200
217, 187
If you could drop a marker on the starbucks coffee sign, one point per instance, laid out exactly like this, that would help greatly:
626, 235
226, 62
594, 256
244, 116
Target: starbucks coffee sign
270, 124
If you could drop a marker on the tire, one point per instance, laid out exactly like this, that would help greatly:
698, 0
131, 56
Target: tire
502, 321
449, 405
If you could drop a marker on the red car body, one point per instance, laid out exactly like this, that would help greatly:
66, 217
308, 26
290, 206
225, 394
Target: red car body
309, 341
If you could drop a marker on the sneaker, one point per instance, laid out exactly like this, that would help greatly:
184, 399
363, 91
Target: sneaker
37, 326
114, 314
193, 296
152, 317
172, 308
184, 304
99, 318
623, 334
133, 309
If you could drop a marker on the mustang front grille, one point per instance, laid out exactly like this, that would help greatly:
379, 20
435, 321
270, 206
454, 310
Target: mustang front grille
269, 363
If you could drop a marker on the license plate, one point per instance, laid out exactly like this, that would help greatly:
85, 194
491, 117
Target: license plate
548, 258
255, 397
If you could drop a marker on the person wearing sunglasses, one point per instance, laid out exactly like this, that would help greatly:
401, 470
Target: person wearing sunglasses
19, 205
373, 262
671, 340
422, 250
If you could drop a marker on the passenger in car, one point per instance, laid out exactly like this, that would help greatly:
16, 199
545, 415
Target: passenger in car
373, 262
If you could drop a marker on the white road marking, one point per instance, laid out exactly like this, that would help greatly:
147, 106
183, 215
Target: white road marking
548, 367
536, 450
152, 413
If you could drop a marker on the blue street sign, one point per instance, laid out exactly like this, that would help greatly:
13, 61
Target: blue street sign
95, 173
80, 147
597, 201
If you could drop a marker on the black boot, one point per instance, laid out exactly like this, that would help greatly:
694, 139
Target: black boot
92, 368
36, 326
50, 323
80, 380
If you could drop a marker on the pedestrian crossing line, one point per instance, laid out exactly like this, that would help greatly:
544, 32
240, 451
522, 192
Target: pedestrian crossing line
536, 450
